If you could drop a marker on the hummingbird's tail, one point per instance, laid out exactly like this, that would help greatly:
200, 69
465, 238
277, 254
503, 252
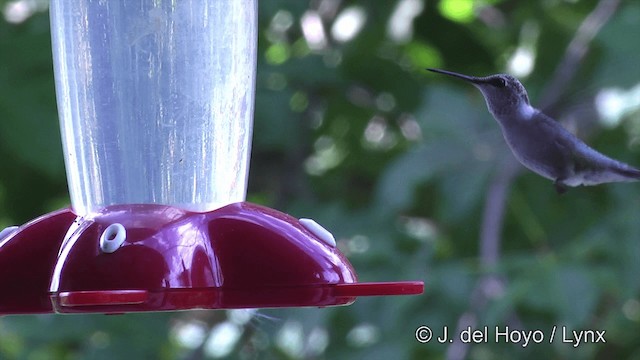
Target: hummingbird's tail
615, 171
624, 172
630, 173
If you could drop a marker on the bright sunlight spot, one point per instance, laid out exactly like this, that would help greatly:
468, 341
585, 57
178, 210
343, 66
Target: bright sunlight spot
400, 26
290, 339
313, 30
613, 104
457, 10
190, 334
16, 12
241, 316
317, 342
376, 134
281, 21
277, 53
327, 156
521, 62
222, 339
422, 55
419, 228
363, 335
348, 23
631, 309
358, 244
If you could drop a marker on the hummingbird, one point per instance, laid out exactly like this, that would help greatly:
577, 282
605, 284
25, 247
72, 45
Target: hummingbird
541, 143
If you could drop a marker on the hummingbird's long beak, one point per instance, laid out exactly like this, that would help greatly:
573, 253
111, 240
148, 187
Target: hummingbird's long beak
471, 79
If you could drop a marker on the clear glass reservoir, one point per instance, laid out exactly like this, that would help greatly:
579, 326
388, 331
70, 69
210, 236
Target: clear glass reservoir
155, 100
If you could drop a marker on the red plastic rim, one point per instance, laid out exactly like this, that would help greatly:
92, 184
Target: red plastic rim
103, 297
324, 295
380, 288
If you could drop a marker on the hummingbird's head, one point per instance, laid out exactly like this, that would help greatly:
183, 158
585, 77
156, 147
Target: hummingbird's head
503, 93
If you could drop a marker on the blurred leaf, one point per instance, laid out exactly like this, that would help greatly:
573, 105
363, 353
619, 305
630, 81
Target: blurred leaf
274, 123
29, 126
396, 189
618, 68
579, 296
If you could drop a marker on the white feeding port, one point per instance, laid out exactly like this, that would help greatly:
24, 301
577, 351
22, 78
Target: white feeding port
112, 238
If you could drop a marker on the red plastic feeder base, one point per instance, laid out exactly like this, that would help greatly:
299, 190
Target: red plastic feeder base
159, 258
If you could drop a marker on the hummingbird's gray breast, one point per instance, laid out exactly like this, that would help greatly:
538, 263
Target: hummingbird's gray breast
539, 144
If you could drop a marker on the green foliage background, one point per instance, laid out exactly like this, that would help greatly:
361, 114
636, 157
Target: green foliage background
398, 163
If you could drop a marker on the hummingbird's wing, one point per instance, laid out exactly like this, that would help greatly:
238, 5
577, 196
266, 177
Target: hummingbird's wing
585, 165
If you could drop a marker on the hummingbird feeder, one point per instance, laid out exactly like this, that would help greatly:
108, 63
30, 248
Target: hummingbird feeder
156, 105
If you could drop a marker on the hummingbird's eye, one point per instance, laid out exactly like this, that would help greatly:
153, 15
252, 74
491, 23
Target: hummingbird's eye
500, 82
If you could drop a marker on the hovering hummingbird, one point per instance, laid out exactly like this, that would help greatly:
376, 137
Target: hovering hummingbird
539, 142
